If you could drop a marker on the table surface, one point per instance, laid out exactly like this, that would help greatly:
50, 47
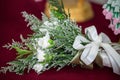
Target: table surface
12, 25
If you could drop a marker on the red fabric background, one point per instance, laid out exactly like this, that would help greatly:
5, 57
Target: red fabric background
12, 25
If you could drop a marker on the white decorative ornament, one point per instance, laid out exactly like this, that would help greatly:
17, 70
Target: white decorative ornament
110, 57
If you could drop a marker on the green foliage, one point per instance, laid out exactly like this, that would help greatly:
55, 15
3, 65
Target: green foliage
21, 48
58, 60
57, 9
18, 66
14, 44
62, 33
21, 51
33, 21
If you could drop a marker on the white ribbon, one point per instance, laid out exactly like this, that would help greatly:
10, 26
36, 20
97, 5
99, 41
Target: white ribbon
110, 57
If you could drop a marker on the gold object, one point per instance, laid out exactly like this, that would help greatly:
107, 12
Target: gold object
76, 60
80, 10
99, 61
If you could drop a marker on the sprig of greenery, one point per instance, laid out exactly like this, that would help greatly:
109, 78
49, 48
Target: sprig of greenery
32, 20
14, 45
58, 60
57, 9
18, 66
21, 48
64, 33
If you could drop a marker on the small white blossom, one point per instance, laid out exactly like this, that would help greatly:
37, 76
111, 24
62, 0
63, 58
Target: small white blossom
43, 42
55, 23
38, 67
40, 55
47, 23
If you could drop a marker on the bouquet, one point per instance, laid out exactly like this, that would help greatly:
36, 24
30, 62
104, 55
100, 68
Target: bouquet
58, 41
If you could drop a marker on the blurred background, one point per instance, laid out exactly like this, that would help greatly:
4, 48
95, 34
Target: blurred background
12, 24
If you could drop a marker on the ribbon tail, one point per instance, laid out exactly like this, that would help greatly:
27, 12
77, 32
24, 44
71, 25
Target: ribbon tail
116, 68
113, 56
89, 54
84, 54
105, 59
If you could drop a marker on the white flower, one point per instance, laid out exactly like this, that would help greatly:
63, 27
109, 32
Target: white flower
47, 23
40, 55
38, 67
43, 42
55, 23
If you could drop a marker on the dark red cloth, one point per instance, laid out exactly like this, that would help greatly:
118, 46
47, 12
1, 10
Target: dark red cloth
12, 25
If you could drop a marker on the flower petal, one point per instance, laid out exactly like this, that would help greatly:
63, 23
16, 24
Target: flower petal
40, 55
38, 67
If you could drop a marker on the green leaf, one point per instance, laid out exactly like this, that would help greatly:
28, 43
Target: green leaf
21, 51
18, 66
57, 9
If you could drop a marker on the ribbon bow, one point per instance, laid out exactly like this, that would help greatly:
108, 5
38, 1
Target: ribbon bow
91, 48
